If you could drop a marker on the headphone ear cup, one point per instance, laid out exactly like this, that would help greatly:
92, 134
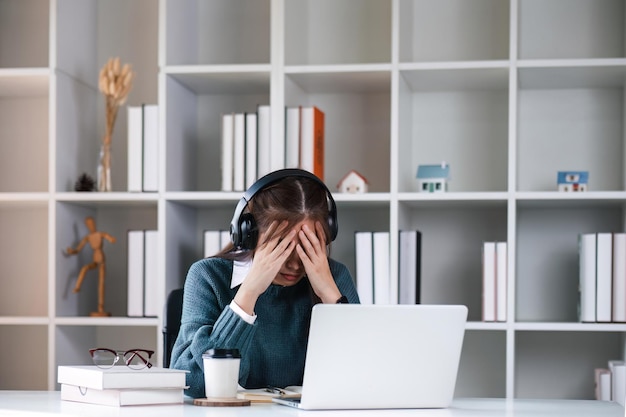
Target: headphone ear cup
248, 231
332, 227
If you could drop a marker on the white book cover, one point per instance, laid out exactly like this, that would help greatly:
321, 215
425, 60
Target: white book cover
251, 149
292, 137
604, 277
120, 377
501, 279
587, 277
619, 277
618, 381
264, 141
135, 149
224, 238
382, 279
407, 267
122, 397
228, 121
150, 147
239, 152
602, 384
135, 243
212, 242
489, 281
364, 267
152, 306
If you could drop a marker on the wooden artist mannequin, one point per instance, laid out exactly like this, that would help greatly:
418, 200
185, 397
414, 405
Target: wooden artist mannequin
95, 240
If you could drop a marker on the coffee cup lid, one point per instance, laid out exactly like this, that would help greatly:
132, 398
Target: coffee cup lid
222, 353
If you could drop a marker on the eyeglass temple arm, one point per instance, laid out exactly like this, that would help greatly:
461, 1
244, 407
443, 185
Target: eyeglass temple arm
135, 353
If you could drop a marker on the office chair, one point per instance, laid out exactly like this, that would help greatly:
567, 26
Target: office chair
171, 323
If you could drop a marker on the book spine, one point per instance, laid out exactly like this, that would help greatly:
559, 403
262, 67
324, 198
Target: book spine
501, 280
364, 267
619, 277
489, 281
151, 305
227, 151
150, 148
239, 152
135, 270
382, 280
603, 277
212, 242
587, 277
135, 151
251, 149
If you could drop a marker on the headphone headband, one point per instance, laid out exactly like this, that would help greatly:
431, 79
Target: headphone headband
243, 226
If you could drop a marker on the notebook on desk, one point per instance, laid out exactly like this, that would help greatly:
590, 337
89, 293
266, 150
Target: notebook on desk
381, 357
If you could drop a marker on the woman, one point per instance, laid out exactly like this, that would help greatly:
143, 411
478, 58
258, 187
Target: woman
257, 295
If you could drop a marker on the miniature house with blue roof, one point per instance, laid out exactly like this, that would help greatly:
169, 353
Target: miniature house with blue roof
433, 178
572, 181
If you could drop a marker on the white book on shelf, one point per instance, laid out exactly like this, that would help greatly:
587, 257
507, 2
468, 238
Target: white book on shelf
264, 141
228, 121
239, 152
151, 305
382, 279
135, 148
150, 147
312, 140
618, 381
489, 281
212, 242
619, 277
251, 149
122, 397
224, 238
364, 266
409, 267
604, 262
587, 277
120, 377
602, 384
501, 281
135, 271
292, 137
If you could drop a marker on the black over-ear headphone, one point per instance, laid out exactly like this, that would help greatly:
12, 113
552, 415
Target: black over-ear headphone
243, 227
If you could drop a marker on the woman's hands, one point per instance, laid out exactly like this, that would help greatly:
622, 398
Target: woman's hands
269, 257
312, 253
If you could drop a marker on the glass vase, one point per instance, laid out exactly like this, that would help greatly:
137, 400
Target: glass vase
104, 168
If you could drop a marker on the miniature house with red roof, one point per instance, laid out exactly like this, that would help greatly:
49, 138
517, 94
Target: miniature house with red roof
353, 183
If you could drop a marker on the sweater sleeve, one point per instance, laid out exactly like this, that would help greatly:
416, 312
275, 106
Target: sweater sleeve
208, 322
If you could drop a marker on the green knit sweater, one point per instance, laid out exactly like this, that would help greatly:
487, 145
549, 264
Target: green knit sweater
272, 349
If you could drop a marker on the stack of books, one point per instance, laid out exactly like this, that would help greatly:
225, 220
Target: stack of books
121, 386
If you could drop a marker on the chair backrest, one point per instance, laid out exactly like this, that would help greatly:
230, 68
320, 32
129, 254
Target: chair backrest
171, 323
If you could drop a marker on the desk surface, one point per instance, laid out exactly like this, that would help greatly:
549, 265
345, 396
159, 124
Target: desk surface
41, 403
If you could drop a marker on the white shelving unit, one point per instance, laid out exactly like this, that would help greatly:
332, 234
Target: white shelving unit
507, 91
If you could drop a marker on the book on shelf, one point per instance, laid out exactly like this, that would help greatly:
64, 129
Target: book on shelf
489, 281
142, 299
604, 259
264, 140
381, 267
619, 278
312, 140
263, 395
122, 397
143, 148
251, 149
587, 277
228, 131
239, 152
501, 281
409, 266
292, 136
618, 381
364, 266
212, 243
602, 384
120, 377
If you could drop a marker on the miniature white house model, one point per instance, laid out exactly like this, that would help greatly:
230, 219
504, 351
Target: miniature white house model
352, 183
433, 178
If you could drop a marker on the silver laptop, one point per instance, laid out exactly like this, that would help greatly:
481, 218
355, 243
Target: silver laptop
381, 357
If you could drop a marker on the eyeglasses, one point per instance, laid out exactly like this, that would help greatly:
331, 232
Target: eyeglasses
134, 358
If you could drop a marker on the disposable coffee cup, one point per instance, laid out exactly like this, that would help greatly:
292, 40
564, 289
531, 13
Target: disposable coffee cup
221, 372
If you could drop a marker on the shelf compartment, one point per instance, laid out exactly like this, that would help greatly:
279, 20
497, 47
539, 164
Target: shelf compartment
482, 369
571, 119
453, 30
547, 276
193, 144
542, 370
217, 32
72, 343
452, 241
24, 33
571, 29
320, 32
24, 259
357, 109
24, 352
115, 220
459, 116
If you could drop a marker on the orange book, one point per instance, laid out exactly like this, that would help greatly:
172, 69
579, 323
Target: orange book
312, 141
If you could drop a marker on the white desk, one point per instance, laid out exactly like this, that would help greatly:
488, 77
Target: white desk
42, 403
